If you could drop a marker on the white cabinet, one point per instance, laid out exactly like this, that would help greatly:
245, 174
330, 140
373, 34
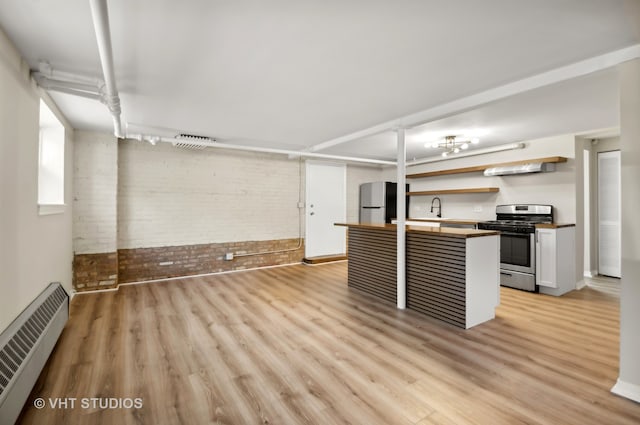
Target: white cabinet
424, 223
546, 258
555, 260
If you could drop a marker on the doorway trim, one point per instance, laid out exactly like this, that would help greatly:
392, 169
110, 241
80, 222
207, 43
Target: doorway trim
606, 269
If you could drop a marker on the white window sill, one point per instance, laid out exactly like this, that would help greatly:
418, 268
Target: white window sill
49, 209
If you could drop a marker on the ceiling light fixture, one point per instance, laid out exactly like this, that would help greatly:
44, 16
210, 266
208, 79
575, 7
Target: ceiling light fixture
472, 152
453, 145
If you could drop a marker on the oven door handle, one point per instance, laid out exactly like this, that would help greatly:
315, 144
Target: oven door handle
516, 234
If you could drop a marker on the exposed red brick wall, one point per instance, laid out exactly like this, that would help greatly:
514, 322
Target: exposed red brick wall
95, 271
135, 265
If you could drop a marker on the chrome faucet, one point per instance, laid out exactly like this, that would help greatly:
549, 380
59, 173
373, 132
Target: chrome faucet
439, 206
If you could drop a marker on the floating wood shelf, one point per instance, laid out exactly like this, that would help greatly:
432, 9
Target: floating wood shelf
455, 191
477, 168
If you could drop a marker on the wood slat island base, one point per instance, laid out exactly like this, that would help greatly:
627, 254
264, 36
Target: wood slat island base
372, 262
452, 274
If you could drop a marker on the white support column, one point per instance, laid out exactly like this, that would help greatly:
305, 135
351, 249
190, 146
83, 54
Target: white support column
400, 215
628, 384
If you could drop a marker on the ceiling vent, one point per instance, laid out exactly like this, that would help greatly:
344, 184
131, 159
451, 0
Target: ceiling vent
536, 167
187, 145
192, 141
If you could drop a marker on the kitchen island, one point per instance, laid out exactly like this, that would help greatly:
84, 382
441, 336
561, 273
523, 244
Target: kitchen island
451, 274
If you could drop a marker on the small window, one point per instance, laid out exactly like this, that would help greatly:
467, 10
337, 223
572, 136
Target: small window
50, 163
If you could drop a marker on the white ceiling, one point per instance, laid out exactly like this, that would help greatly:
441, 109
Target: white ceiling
292, 74
577, 105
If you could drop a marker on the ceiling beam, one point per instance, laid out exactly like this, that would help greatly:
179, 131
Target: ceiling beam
457, 106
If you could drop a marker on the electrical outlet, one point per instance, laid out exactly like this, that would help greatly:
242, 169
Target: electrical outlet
477, 208
228, 256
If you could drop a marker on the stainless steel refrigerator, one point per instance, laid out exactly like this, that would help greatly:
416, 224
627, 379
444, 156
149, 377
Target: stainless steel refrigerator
378, 202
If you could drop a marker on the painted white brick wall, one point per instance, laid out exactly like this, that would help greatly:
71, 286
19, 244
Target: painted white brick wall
169, 196
95, 186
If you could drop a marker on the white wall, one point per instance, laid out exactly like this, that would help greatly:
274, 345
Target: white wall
34, 250
169, 196
605, 145
556, 188
629, 380
95, 188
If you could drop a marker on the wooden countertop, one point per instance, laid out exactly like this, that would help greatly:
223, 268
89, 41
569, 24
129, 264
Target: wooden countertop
443, 231
554, 225
475, 222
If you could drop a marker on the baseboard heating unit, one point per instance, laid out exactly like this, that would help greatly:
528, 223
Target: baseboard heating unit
25, 347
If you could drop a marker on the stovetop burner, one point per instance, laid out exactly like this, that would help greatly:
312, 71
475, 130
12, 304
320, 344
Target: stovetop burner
518, 218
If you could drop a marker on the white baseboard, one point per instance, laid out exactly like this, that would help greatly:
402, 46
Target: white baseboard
580, 284
590, 273
627, 390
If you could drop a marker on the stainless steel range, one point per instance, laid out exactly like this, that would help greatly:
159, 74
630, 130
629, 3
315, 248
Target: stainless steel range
517, 226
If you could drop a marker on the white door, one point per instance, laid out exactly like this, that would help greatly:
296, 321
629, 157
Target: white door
326, 204
609, 257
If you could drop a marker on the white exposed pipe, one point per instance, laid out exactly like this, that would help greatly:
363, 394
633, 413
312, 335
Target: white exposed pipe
213, 144
305, 154
92, 96
100, 14
68, 86
46, 70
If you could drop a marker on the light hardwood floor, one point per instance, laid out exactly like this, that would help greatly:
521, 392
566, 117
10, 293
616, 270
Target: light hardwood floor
609, 285
295, 345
